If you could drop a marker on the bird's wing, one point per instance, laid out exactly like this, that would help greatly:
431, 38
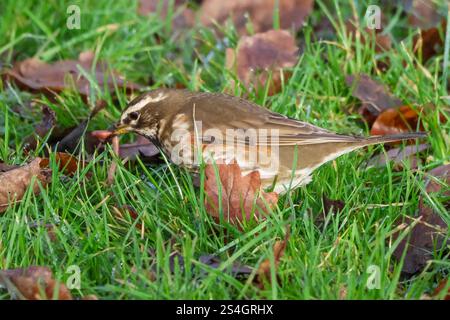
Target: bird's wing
222, 112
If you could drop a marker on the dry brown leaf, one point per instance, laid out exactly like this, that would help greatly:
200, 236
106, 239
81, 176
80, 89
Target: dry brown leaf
37, 75
398, 156
33, 283
120, 211
422, 14
15, 182
396, 120
42, 129
67, 163
241, 197
330, 207
430, 230
382, 41
430, 42
264, 269
260, 54
374, 96
183, 16
292, 13
442, 286
141, 147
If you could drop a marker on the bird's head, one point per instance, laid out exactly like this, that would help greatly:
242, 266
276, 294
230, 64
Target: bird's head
142, 114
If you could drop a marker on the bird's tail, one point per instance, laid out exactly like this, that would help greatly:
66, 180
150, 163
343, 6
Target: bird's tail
392, 138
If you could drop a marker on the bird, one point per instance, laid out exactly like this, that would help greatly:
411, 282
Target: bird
195, 128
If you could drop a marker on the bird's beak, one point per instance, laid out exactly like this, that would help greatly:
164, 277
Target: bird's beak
121, 130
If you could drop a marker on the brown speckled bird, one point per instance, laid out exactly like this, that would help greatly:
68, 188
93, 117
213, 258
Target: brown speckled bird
223, 128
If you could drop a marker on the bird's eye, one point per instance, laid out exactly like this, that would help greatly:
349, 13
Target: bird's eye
133, 115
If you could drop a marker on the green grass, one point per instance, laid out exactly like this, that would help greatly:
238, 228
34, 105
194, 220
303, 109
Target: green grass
113, 254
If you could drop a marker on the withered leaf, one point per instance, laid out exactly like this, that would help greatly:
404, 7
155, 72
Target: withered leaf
329, 207
42, 129
141, 147
430, 230
422, 14
33, 283
396, 120
214, 262
70, 141
292, 13
260, 54
398, 156
374, 96
15, 182
236, 269
264, 269
381, 41
242, 198
430, 42
36, 75
183, 16
120, 211
67, 163
442, 286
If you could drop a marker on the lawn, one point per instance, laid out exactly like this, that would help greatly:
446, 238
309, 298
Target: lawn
75, 219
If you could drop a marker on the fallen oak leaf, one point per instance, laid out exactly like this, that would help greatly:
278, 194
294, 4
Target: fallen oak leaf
261, 54
241, 199
33, 283
15, 182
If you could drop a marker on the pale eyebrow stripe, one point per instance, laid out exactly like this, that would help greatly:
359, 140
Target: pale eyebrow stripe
142, 103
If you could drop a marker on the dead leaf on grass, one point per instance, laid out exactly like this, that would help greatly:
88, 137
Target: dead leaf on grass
33, 283
264, 269
47, 123
183, 16
293, 13
399, 156
374, 96
241, 199
36, 75
430, 229
15, 182
259, 55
